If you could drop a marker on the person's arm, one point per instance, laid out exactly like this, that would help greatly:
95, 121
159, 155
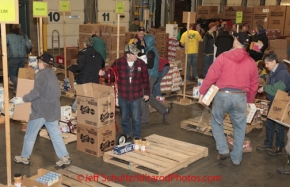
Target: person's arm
27, 43
205, 39
254, 83
150, 59
145, 80
35, 93
272, 89
265, 44
76, 68
182, 39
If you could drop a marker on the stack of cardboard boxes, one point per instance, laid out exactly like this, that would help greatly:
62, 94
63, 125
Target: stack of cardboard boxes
207, 12
248, 16
88, 30
277, 18
279, 46
230, 12
96, 116
162, 43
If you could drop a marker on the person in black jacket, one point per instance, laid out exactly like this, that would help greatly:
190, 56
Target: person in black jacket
260, 36
88, 66
224, 41
208, 48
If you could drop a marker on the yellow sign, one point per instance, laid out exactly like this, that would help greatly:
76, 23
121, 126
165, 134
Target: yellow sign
9, 11
40, 9
239, 17
119, 8
64, 6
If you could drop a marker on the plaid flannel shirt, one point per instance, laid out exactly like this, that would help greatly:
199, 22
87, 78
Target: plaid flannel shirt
140, 79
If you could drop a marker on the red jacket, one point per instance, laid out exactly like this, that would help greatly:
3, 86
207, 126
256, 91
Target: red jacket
162, 63
233, 69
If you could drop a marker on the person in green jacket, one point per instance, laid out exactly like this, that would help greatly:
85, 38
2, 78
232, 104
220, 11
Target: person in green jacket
135, 25
100, 46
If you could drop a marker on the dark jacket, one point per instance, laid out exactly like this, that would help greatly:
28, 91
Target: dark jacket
208, 42
279, 80
44, 97
152, 56
89, 63
224, 42
140, 47
255, 38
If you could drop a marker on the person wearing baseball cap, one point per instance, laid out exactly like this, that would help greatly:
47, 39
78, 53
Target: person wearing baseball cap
133, 86
45, 100
236, 75
135, 25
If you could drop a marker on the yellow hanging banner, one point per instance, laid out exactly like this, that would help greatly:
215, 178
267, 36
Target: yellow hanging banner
40, 9
64, 6
119, 8
9, 11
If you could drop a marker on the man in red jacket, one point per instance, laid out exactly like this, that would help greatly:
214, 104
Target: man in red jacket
236, 75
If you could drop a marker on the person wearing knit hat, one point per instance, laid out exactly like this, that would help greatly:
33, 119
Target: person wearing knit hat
208, 47
45, 110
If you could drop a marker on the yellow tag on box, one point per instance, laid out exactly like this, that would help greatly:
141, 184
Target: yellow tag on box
64, 6
40, 9
9, 11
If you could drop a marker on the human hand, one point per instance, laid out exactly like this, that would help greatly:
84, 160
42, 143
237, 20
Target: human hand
17, 100
101, 73
135, 40
260, 90
145, 97
200, 100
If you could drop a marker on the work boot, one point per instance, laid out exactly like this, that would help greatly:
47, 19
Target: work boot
285, 169
264, 148
275, 151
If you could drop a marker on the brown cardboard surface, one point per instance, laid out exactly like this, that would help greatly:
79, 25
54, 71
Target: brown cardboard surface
230, 11
261, 16
89, 28
206, 12
71, 53
280, 109
24, 85
191, 19
40, 172
287, 22
281, 53
277, 18
95, 141
95, 104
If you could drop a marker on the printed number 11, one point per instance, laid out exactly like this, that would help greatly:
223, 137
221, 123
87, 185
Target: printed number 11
106, 15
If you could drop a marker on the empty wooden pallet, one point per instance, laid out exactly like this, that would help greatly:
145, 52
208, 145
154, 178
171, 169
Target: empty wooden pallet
163, 156
67, 137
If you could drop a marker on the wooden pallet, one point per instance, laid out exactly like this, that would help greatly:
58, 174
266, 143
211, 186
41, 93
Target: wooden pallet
163, 156
71, 178
193, 125
67, 137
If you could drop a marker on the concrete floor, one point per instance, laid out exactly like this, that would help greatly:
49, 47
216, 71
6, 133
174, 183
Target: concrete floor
256, 169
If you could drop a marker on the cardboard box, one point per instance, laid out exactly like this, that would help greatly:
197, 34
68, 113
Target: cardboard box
230, 11
95, 104
248, 14
24, 85
251, 111
90, 28
281, 53
261, 15
277, 18
95, 141
65, 112
208, 97
286, 31
280, 108
123, 148
172, 30
71, 53
206, 12
40, 172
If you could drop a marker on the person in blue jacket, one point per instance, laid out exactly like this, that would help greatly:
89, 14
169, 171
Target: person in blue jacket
279, 79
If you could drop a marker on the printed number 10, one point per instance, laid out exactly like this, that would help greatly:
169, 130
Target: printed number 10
106, 15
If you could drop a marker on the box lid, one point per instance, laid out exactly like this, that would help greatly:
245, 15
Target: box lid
26, 73
281, 95
94, 90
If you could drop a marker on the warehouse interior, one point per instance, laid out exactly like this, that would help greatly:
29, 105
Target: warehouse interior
62, 35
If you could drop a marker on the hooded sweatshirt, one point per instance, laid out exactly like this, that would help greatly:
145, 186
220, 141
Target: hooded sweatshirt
89, 63
279, 80
233, 69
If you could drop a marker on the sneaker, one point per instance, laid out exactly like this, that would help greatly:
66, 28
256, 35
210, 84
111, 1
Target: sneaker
21, 160
223, 156
284, 170
264, 148
236, 163
165, 115
63, 161
275, 151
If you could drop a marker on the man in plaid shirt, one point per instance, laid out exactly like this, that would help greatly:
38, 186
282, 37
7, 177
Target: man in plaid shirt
133, 78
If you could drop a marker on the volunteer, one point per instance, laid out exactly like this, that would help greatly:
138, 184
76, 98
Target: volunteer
45, 110
279, 79
236, 75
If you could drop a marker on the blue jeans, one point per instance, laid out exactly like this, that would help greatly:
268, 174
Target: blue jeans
156, 88
271, 127
191, 62
132, 109
207, 62
13, 66
32, 130
236, 105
